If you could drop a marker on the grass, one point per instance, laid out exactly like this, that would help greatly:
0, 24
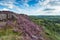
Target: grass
51, 27
9, 34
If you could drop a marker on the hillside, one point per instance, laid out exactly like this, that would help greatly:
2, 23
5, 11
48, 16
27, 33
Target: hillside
19, 27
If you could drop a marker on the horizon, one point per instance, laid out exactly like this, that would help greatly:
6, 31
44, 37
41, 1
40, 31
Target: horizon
31, 7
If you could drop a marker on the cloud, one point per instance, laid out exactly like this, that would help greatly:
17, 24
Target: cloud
7, 3
49, 8
43, 7
55, 2
5, 9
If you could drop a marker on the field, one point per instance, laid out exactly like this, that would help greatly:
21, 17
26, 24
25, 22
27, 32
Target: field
51, 25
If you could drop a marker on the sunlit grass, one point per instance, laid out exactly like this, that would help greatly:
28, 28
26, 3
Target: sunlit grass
9, 34
51, 28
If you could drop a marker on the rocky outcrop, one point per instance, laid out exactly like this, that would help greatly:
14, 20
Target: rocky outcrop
6, 15
30, 30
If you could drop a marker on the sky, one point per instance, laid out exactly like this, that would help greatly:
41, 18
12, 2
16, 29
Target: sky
31, 7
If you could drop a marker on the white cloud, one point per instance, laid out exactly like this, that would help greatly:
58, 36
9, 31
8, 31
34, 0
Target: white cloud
46, 4
38, 9
7, 3
5, 9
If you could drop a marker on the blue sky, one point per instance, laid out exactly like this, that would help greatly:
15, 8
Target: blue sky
31, 7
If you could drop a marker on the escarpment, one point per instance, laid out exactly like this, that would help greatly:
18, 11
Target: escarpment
30, 30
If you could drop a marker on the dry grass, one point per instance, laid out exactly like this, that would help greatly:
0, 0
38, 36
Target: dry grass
11, 37
9, 34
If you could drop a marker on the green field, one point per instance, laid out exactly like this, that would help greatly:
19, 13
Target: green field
51, 25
